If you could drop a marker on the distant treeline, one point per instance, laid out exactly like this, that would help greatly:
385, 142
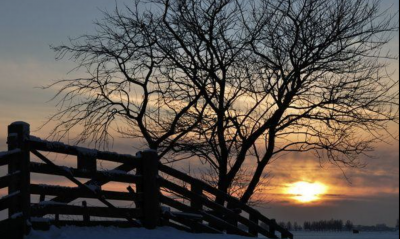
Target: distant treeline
323, 225
334, 226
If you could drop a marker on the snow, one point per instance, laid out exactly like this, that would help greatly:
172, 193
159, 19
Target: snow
45, 203
17, 215
116, 173
115, 233
49, 144
162, 233
347, 235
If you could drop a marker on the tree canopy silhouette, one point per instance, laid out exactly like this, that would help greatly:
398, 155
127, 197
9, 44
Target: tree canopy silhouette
233, 82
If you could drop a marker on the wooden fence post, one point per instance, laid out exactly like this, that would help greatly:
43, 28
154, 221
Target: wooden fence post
86, 215
272, 228
233, 221
254, 230
150, 189
196, 204
19, 212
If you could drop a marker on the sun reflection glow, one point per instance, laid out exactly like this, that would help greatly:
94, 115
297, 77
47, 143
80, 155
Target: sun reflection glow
306, 192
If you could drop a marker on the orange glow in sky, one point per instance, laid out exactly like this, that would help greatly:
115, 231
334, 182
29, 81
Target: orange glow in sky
305, 192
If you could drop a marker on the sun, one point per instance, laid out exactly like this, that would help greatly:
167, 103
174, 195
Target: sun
306, 192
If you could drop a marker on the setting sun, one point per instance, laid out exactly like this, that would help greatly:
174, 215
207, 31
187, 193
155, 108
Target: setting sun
306, 192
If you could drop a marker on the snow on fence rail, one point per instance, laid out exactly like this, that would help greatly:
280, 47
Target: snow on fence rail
152, 204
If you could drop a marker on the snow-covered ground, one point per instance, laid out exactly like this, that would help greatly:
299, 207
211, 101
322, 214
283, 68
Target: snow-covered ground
169, 233
364, 235
116, 233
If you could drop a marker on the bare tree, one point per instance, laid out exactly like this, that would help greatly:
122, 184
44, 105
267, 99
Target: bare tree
236, 83
135, 87
349, 225
311, 78
327, 81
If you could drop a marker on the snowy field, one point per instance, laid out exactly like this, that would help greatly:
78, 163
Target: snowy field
365, 235
115, 233
169, 233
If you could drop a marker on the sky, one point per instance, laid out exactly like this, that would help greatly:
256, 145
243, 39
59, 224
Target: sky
27, 29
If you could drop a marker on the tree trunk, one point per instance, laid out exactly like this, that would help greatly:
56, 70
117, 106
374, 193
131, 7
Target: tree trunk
260, 168
222, 185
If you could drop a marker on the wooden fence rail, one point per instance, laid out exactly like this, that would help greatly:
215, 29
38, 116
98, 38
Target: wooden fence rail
196, 195
154, 200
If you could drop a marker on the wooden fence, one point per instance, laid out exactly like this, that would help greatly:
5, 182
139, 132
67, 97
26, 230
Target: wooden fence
156, 201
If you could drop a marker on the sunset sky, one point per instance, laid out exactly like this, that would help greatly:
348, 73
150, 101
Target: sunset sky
368, 196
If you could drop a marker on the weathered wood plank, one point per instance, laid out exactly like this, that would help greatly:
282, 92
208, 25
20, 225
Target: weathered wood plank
4, 226
5, 160
254, 230
221, 210
194, 225
100, 178
207, 217
37, 209
80, 193
81, 185
18, 135
86, 215
188, 179
114, 176
6, 201
5, 181
57, 147
287, 235
195, 203
151, 190
67, 198
9, 227
6, 157
87, 163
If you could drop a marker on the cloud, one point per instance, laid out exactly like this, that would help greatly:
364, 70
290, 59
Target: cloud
20, 96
